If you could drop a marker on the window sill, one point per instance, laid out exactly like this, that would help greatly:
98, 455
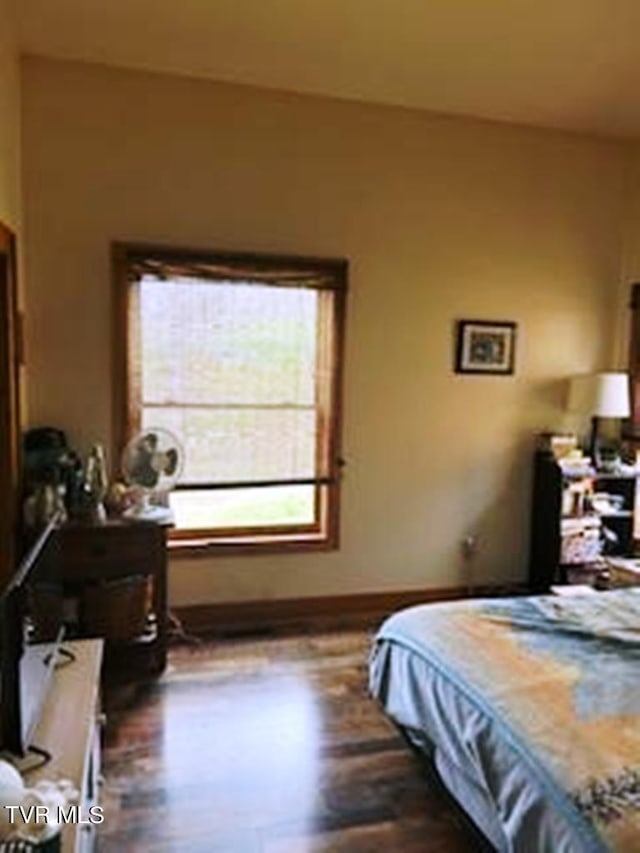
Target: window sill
202, 546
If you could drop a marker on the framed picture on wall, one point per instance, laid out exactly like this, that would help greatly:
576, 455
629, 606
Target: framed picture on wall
485, 346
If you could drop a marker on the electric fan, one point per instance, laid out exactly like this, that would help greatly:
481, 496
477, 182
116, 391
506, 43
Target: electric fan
152, 463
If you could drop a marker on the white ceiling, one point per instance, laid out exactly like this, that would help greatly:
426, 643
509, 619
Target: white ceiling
571, 64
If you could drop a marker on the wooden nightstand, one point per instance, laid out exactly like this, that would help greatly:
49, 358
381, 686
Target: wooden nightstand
112, 582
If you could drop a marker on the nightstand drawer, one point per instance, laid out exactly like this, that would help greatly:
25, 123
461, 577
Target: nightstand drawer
109, 551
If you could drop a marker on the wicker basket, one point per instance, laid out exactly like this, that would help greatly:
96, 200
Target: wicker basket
116, 609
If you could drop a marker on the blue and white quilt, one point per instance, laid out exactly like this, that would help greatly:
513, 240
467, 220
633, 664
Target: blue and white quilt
537, 700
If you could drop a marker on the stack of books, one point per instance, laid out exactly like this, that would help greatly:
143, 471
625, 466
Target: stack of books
624, 571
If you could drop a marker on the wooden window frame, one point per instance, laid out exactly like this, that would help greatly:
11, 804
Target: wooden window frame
631, 428
324, 533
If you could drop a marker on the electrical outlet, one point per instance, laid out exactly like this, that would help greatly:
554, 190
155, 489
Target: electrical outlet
470, 546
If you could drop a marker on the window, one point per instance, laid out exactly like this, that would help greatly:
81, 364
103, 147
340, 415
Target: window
240, 357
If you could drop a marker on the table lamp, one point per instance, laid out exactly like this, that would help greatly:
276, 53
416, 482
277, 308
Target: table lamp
599, 395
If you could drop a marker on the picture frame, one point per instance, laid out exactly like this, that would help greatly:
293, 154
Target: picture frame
486, 347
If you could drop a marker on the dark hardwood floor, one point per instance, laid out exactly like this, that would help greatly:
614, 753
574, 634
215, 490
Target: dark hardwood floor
267, 746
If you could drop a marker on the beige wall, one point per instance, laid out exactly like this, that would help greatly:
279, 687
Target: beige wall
440, 219
9, 122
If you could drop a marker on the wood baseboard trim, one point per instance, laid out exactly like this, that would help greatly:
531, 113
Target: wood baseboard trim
319, 612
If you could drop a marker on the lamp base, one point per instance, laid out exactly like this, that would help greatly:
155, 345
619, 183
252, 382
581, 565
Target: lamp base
594, 443
605, 455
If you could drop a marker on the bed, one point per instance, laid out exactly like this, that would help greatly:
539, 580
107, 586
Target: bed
530, 710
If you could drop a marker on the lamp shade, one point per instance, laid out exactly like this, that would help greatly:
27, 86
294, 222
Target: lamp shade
601, 395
